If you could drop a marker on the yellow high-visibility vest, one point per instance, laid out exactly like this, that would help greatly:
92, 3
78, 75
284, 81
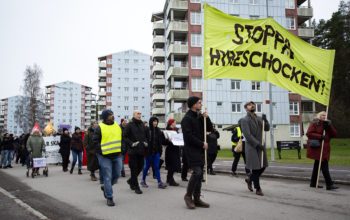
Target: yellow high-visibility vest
111, 140
239, 135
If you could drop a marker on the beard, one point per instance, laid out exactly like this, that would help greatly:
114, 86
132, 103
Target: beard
252, 110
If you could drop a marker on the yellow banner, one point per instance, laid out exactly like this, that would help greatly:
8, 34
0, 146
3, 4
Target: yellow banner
262, 50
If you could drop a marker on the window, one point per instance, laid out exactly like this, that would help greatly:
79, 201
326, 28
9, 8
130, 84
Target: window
290, 23
219, 104
218, 82
196, 62
136, 108
254, 17
196, 40
136, 70
235, 85
234, 1
195, 18
256, 86
258, 106
290, 4
126, 98
126, 61
294, 130
196, 84
126, 108
136, 61
136, 89
126, 79
253, 2
126, 89
109, 70
136, 98
126, 70
109, 99
195, 1
109, 89
236, 107
293, 108
109, 61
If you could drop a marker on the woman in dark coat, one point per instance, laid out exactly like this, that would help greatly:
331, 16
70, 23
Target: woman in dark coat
92, 162
315, 133
172, 155
65, 149
76, 146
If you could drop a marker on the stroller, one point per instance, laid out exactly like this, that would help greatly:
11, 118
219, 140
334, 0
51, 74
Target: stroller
35, 164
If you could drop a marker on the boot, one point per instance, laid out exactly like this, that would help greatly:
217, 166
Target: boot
189, 202
200, 203
93, 177
123, 173
259, 192
110, 202
79, 172
249, 184
71, 170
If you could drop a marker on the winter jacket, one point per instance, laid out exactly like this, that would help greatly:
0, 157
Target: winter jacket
88, 142
212, 140
7, 143
193, 131
65, 144
156, 138
134, 132
172, 154
36, 145
76, 143
315, 131
96, 140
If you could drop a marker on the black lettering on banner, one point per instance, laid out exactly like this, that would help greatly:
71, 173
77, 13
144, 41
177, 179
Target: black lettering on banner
278, 38
245, 58
304, 80
266, 60
249, 30
323, 84
295, 75
256, 31
284, 74
214, 56
315, 84
230, 57
287, 47
254, 53
240, 38
278, 68
238, 53
269, 31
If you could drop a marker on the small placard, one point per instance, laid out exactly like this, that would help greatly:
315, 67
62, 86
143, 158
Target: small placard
39, 162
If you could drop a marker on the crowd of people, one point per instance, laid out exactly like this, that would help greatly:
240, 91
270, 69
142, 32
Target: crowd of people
148, 147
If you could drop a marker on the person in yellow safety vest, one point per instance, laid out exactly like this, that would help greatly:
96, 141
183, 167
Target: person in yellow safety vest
236, 136
107, 140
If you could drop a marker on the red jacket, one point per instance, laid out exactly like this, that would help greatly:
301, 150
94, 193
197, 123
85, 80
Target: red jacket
315, 131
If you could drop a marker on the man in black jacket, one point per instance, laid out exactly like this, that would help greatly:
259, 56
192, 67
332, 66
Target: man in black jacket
193, 131
136, 138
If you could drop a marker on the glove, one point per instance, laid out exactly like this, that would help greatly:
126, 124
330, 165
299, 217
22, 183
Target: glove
326, 124
264, 117
323, 137
259, 147
135, 144
145, 143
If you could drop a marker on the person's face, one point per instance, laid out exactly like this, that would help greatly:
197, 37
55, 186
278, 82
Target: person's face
173, 125
110, 118
198, 105
78, 131
155, 123
137, 115
323, 117
124, 123
95, 125
251, 107
66, 131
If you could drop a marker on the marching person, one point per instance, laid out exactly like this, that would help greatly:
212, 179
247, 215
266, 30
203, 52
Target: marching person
136, 138
315, 133
92, 162
172, 155
107, 140
36, 145
213, 148
123, 124
193, 131
236, 137
76, 145
65, 148
153, 153
252, 126
6, 146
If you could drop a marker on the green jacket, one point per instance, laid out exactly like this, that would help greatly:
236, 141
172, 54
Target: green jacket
36, 145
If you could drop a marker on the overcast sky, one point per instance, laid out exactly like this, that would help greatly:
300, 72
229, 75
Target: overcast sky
65, 37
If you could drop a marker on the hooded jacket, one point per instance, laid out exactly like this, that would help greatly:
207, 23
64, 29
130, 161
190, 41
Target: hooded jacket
156, 138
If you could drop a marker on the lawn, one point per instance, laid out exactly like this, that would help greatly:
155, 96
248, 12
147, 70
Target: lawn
340, 154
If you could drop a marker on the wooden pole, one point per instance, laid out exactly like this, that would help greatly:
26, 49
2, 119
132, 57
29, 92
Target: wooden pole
263, 142
321, 154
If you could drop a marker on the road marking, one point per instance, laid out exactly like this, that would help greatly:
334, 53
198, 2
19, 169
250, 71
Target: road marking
23, 204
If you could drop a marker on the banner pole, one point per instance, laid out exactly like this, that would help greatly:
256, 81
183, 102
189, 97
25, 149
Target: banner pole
205, 132
321, 154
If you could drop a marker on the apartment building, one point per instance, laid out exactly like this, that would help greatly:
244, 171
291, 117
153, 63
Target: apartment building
124, 81
70, 104
177, 60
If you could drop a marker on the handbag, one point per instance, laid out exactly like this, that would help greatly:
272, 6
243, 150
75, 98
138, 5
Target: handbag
239, 146
313, 143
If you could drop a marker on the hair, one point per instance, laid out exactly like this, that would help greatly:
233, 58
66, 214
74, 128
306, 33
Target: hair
318, 116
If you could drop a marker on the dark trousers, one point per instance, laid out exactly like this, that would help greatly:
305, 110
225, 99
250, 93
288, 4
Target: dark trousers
211, 159
195, 183
325, 172
184, 169
65, 160
255, 177
237, 157
136, 165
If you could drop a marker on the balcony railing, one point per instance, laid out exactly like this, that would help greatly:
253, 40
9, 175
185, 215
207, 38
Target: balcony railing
306, 32
177, 49
178, 94
177, 72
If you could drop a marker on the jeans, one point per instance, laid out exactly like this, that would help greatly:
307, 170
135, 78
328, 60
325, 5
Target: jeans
325, 172
4, 157
10, 157
195, 183
153, 159
79, 155
136, 165
110, 169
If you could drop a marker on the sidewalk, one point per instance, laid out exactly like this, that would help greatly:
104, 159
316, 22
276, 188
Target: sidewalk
340, 175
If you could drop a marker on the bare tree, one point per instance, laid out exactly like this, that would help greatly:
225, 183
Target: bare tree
30, 107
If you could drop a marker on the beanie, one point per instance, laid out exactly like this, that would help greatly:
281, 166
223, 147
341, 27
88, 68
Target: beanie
105, 114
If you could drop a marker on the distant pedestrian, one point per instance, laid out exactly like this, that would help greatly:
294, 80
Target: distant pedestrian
172, 155
252, 128
65, 148
108, 140
123, 124
92, 162
193, 131
6, 146
77, 150
36, 145
213, 147
136, 137
237, 139
315, 134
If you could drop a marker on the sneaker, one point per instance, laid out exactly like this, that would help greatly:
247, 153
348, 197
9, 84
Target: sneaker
103, 190
110, 202
162, 185
138, 191
79, 172
144, 184
332, 187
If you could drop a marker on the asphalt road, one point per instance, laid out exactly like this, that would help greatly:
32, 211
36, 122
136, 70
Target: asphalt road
65, 196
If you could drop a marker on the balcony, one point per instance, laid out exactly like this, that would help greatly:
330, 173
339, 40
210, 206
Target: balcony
306, 33
178, 94
158, 111
158, 68
101, 102
178, 5
299, 2
102, 74
47, 117
102, 65
177, 49
158, 53
158, 40
102, 93
102, 84
177, 72
158, 25
161, 125
304, 14
87, 117
158, 96
177, 26
158, 82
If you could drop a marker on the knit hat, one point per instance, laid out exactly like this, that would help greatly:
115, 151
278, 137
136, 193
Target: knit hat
64, 129
76, 128
246, 104
36, 127
192, 100
105, 114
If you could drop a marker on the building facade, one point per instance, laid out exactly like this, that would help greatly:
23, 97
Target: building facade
70, 104
124, 80
179, 62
